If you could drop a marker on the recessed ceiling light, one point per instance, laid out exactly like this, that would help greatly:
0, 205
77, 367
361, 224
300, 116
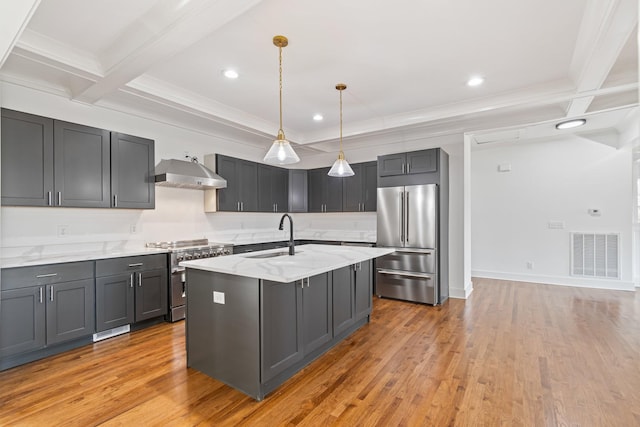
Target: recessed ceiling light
475, 81
569, 124
230, 74
318, 117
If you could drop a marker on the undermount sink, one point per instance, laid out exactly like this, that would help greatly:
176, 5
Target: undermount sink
270, 255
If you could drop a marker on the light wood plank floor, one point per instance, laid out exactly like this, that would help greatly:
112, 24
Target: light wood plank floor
513, 354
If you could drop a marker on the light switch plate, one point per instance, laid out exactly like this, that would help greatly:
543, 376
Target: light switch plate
218, 297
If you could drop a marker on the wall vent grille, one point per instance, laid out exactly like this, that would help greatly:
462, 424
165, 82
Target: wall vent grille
595, 255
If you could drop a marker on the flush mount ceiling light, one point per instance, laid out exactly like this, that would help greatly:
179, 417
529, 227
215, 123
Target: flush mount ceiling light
341, 166
281, 152
475, 81
570, 124
230, 74
318, 117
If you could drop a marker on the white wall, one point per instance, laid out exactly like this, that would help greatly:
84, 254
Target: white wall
554, 180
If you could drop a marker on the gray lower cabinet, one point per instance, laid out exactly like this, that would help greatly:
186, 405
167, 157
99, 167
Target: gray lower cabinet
352, 290
281, 320
45, 305
271, 329
132, 172
130, 289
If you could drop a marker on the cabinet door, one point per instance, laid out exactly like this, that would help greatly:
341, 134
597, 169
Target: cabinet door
82, 167
298, 191
370, 188
316, 312
316, 190
343, 295
228, 198
392, 164
114, 301
70, 310
333, 193
281, 327
132, 172
266, 175
424, 161
352, 187
27, 159
363, 289
22, 320
152, 291
280, 189
248, 186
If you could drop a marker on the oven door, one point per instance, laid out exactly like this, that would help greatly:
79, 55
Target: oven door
177, 296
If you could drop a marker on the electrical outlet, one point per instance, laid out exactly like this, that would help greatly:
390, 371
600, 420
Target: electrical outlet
133, 229
218, 297
529, 265
63, 230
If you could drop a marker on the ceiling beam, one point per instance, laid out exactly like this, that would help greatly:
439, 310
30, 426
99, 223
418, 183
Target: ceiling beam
169, 27
605, 29
14, 17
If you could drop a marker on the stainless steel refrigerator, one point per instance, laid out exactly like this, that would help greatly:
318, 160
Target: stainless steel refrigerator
408, 222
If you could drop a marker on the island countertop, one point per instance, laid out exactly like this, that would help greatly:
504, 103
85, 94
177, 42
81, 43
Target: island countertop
308, 261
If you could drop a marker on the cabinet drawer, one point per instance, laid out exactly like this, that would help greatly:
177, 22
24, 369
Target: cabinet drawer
108, 267
20, 277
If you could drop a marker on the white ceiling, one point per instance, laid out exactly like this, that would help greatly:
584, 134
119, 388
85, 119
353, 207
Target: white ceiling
405, 65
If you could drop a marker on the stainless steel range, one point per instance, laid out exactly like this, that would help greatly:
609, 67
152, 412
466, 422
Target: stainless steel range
183, 250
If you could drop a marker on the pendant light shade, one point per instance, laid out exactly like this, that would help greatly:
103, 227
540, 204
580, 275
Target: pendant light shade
341, 167
281, 151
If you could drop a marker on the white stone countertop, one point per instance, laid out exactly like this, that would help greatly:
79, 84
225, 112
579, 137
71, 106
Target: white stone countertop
308, 260
42, 259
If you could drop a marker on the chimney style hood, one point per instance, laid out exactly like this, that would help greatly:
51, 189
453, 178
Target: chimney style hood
187, 174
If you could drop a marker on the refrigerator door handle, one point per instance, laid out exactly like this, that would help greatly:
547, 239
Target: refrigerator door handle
407, 216
402, 217
406, 274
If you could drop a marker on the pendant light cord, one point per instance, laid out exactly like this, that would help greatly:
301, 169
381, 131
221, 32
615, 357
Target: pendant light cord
341, 121
280, 72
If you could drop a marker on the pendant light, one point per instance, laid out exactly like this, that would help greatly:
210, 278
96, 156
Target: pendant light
341, 167
281, 152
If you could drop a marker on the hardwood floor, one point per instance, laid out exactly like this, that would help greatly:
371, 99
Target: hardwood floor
513, 354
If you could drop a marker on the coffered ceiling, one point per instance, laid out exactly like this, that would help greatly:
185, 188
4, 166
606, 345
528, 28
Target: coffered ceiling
405, 63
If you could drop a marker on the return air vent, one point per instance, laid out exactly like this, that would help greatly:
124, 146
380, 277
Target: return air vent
595, 255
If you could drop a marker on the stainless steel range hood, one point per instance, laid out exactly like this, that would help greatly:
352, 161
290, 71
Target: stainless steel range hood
187, 174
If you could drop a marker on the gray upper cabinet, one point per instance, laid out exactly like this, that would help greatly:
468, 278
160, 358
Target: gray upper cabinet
27, 159
47, 162
241, 194
298, 188
325, 192
132, 172
359, 190
273, 189
414, 162
82, 166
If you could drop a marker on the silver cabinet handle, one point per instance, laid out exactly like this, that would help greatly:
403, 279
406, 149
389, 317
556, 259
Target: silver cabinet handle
139, 279
406, 274
408, 167
137, 264
403, 168
40, 294
51, 293
59, 198
276, 207
48, 198
40, 276
301, 283
131, 281
241, 206
115, 200
238, 206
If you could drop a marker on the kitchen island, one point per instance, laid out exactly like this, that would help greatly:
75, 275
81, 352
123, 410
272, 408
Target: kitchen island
254, 320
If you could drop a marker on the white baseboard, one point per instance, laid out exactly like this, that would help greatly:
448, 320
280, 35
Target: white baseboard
580, 282
461, 293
